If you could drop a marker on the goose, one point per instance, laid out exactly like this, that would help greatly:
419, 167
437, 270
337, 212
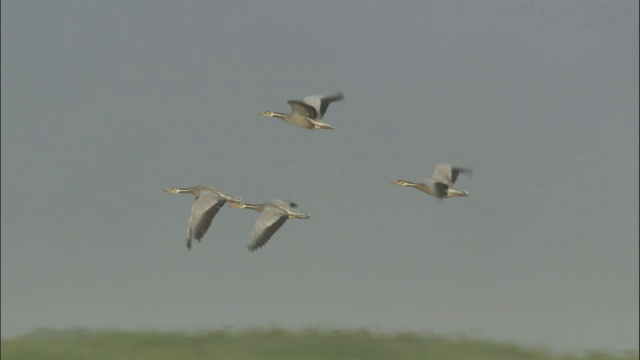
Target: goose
274, 214
307, 113
207, 204
441, 182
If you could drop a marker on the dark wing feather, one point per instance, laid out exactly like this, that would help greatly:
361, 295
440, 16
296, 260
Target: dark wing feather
324, 103
441, 189
321, 102
455, 171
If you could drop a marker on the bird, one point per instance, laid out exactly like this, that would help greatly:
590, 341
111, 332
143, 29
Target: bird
205, 207
307, 113
274, 214
441, 182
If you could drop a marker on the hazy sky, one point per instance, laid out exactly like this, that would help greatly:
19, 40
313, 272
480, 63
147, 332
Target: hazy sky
104, 104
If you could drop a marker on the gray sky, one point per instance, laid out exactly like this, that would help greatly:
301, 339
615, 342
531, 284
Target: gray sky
104, 104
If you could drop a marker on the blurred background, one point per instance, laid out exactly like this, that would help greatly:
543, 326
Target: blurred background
104, 104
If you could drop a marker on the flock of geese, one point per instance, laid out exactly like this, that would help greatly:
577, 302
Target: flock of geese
306, 113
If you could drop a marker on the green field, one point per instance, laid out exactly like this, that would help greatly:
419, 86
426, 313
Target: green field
269, 344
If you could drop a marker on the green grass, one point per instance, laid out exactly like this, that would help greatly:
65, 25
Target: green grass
272, 343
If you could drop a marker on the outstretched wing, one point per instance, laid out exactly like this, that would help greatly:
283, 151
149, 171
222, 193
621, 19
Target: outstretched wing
321, 102
448, 174
303, 109
204, 209
267, 224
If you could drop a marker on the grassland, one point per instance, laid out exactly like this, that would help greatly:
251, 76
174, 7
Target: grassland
272, 343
